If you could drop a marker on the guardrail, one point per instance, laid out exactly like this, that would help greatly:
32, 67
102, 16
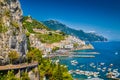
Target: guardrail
18, 66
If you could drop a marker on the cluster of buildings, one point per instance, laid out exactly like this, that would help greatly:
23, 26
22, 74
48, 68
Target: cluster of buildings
67, 43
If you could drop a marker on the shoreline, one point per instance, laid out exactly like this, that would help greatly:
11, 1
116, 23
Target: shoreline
85, 47
67, 53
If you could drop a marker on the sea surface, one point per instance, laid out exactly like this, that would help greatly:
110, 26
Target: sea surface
109, 54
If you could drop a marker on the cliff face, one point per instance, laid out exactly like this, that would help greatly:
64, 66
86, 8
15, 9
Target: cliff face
12, 35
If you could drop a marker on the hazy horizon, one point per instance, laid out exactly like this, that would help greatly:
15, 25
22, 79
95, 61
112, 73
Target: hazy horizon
100, 16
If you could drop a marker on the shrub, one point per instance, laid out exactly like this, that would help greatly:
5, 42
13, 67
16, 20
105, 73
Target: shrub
3, 29
13, 56
15, 24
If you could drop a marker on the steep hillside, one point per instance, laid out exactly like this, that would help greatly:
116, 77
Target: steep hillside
12, 35
29, 23
40, 31
45, 39
55, 25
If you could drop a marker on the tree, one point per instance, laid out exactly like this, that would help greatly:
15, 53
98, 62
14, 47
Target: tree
75, 45
34, 55
13, 56
11, 76
55, 48
25, 76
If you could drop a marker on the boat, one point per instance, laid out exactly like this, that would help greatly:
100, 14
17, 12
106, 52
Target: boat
111, 65
77, 71
104, 68
71, 71
81, 66
74, 62
89, 77
92, 64
96, 74
95, 79
109, 69
115, 70
87, 73
102, 64
98, 69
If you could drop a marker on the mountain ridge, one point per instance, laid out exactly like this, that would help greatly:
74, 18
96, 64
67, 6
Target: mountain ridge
56, 25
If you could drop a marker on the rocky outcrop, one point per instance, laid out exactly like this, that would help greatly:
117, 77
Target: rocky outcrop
12, 35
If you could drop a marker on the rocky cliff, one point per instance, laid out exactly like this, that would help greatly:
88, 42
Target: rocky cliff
12, 35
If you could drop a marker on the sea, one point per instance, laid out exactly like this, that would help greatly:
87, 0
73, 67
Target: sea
108, 58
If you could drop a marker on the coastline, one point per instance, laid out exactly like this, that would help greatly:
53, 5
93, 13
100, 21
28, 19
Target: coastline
85, 47
101, 58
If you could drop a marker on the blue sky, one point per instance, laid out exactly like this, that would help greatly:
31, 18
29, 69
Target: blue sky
101, 16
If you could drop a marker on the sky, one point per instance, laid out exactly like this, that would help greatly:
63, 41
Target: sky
100, 16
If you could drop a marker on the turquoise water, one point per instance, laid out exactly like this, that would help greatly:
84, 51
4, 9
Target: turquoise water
109, 54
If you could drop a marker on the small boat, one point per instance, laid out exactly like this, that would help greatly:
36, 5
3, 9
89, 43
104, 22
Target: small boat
95, 74
92, 64
77, 71
98, 69
111, 65
87, 73
81, 66
104, 68
82, 72
89, 77
109, 69
102, 64
71, 71
115, 70
74, 62
95, 79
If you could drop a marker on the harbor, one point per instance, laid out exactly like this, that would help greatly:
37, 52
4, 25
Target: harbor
110, 73
104, 66
72, 54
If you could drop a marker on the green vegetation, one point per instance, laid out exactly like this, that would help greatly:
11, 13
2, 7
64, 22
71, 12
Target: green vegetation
55, 25
34, 55
15, 24
50, 38
47, 68
53, 71
11, 76
24, 76
28, 41
31, 25
28, 26
6, 13
75, 45
3, 29
13, 56
55, 48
